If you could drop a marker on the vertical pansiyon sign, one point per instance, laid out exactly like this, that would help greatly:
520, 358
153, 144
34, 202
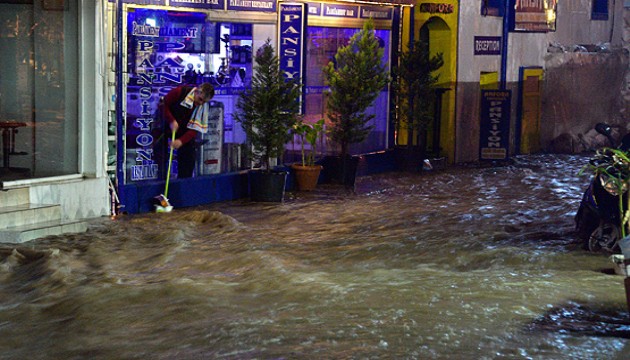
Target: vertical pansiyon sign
292, 26
494, 124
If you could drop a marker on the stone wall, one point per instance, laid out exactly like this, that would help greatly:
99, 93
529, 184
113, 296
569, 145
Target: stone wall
580, 90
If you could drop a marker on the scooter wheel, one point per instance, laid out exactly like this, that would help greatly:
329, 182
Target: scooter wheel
605, 238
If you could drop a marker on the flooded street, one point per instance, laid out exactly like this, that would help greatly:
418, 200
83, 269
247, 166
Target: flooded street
462, 263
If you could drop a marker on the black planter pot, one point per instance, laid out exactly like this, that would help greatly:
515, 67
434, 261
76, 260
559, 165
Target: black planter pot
333, 168
408, 158
267, 186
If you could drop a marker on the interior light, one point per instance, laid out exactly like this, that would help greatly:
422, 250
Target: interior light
150, 22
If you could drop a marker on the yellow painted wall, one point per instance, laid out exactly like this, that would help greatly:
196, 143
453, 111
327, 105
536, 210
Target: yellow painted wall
443, 38
489, 80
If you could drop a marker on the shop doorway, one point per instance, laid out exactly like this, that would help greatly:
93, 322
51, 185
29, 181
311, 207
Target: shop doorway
39, 121
528, 131
439, 133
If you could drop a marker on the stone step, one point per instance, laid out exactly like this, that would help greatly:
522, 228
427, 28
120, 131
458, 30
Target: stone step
20, 234
28, 214
14, 197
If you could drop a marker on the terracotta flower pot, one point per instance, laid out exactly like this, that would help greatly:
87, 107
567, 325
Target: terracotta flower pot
306, 176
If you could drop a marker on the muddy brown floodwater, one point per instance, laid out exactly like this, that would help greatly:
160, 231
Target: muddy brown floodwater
462, 263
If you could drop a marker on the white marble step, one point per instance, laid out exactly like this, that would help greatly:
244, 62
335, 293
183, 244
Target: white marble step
14, 197
20, 234
28, 214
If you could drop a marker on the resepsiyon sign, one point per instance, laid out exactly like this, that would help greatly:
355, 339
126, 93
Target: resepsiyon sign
487, 45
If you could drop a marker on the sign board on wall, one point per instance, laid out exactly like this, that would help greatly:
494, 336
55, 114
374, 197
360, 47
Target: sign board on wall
494, 124
252, 5
350, 11
487, 45
142, 2
292, 24
199, 4
533, 15
436, 8
242, 5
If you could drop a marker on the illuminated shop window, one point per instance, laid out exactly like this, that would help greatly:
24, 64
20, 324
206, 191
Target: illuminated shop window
322, 45
167, 49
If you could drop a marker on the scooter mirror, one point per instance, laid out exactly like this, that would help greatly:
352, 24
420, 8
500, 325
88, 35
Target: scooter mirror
603, 129
606, 131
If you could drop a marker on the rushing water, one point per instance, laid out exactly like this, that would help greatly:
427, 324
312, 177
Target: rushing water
463, 263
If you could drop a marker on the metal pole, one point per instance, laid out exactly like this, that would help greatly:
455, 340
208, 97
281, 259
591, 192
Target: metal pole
504, 43
120, 144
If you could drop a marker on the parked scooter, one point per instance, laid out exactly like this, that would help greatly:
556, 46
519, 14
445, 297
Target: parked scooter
598, 220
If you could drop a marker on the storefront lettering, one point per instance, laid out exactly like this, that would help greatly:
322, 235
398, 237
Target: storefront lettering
147, 46
209, 2
158, 78
334, 11
145, 30
436, 8
375, 13
146, 76
144, 172
144, 124
314, 8
143, 155
529, 4
179, 32
487, 45
199, 4
494, 140
252, 4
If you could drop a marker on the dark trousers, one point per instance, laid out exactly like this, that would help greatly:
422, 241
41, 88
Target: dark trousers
186, 160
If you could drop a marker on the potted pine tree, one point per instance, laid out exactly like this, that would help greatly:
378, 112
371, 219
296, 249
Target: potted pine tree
307, 173
414, 91
355, 78
267, 112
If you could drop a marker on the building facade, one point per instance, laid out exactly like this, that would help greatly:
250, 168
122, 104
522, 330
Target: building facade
550, 69
81, 84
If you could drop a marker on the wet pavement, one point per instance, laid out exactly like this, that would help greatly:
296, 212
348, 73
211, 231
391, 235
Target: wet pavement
463, 263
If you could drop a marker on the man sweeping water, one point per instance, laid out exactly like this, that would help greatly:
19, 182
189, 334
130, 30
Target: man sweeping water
186, 113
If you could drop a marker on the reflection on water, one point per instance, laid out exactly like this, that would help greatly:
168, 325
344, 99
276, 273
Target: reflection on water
465, 263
